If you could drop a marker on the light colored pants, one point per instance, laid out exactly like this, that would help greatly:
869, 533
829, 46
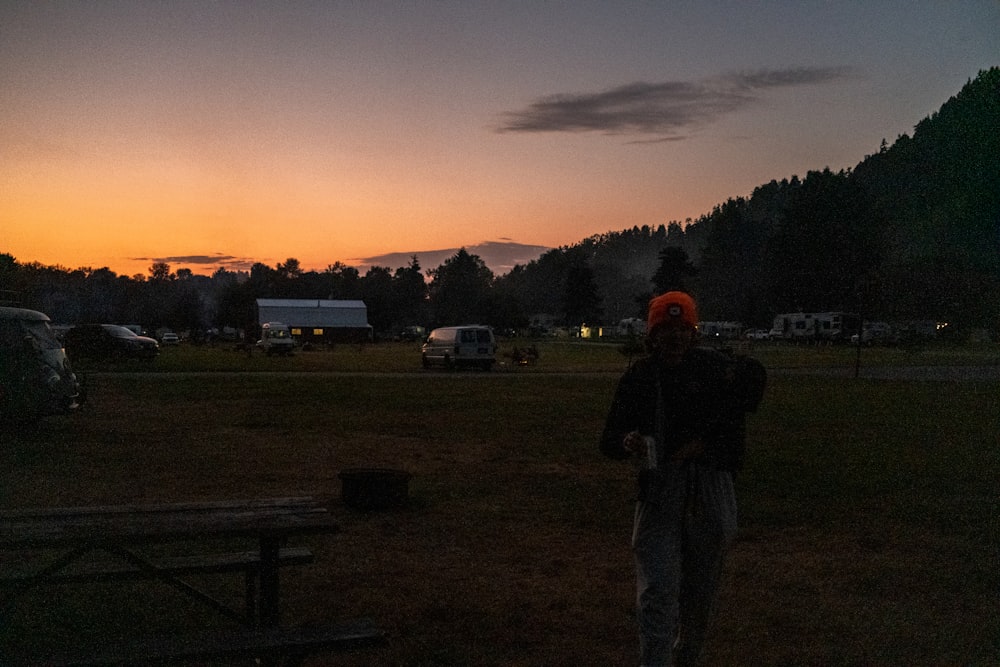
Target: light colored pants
680, 539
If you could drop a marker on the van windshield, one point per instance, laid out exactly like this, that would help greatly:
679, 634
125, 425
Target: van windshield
119, 332
14, 333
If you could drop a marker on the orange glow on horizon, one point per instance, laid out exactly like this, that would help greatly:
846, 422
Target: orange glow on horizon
127, 227
87, 215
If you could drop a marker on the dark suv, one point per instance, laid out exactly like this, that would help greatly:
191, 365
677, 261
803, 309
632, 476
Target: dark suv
108, 341
35, 377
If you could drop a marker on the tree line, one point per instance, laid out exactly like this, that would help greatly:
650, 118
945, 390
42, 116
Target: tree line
462, 289
911, 233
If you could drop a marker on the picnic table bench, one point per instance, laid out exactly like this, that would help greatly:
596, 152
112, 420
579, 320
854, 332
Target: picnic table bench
168, 567
115, 534
272, 644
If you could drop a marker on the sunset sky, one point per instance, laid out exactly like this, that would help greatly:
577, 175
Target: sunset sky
215, 134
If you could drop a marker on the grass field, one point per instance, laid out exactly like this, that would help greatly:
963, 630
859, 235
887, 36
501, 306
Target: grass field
555, 356
870, 520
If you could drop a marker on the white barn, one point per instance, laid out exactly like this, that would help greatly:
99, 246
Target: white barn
326, 320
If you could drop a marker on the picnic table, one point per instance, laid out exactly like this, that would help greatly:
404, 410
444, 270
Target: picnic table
76, 534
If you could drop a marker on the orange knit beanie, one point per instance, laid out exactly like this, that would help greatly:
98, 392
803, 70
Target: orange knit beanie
672, 306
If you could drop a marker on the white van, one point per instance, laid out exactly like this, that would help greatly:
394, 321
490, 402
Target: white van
35, 376
275, 338
467, 345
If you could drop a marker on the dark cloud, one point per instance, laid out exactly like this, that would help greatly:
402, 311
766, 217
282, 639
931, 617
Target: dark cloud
499, 256
228, 262
659, 108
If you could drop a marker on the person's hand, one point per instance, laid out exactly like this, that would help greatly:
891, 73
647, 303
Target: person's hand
635, 442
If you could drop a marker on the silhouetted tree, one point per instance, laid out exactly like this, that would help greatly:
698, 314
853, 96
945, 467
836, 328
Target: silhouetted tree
345, 281
8, 275
582, 303
376, 291
409, 291
290, 269
460, 290
261, 282
185, 312
160, 271
236, 305
728, 283
674, 271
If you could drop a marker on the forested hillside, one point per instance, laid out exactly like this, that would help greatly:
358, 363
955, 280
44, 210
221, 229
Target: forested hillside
912, 232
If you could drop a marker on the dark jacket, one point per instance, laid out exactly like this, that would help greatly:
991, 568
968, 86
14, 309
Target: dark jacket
705, 397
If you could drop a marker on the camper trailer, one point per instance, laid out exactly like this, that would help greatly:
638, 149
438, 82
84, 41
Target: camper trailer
828, 326
836, 327
631, 326
793, 326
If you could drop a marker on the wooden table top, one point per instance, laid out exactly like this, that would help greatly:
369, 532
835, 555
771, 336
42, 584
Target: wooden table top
94, 526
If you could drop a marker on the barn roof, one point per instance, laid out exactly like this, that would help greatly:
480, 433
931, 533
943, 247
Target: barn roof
314, 312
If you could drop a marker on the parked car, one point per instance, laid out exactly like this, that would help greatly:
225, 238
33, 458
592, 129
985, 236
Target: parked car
757, 334
108, 341
875, 333
169, 338
469, 345
412, 333
35, 376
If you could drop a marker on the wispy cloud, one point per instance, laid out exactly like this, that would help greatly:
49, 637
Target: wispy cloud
666, 108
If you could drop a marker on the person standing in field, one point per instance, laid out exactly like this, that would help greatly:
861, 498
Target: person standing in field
680, 412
